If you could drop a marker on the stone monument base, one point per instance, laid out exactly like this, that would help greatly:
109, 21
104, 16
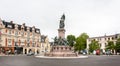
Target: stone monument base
61, 51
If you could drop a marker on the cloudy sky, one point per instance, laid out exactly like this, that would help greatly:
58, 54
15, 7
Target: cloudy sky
95, 17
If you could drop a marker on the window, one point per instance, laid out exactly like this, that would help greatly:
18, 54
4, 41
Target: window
0, 37
0, 31
100, 45
16, 33
9, 26
33, 45
28, 45
25, 33
6, 30
9, 40
28, 34
105, 44
105, 38
89, 40
22, 33
33, 35
13, 31
108, 38
112, 38
9, 45
9, 31
19, 32
33, 39
37, 31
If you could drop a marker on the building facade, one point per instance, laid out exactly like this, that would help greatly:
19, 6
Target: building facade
45, 44
15, 38
103, 40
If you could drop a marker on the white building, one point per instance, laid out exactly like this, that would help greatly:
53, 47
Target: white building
103, 40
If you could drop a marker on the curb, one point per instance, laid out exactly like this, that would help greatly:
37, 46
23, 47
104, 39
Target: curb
62, 57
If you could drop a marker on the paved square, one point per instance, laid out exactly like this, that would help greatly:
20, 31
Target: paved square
33, 61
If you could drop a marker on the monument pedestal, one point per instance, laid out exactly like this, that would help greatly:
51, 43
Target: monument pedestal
61, 32
61, 51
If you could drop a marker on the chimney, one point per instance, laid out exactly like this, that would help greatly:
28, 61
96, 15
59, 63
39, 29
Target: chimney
23, 24
33, 26
11, 22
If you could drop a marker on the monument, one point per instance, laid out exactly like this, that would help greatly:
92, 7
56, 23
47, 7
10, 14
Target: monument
61, 47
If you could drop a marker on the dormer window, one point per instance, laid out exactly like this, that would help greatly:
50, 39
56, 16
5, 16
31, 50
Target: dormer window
37, 31
22, 28
28, 28
16, 26
9, 26
33, 28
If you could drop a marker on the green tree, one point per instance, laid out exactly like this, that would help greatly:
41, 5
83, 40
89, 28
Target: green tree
110, 45
81, 42
94, 45
71, 40
117, 47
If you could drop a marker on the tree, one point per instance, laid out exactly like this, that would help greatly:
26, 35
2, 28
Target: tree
117, 47
94, 45
71, 40
81, 42
110, 45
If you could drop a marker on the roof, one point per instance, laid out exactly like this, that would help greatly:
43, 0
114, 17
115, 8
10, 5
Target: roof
115, 35
11, 25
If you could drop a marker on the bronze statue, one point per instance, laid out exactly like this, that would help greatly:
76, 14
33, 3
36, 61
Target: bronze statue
62, 25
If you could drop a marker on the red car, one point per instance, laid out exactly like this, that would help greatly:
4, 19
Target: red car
97, 52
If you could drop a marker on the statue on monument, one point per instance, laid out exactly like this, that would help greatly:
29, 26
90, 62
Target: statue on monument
62, 25
61, 40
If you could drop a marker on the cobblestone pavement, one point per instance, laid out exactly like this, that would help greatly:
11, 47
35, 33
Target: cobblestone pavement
33, 61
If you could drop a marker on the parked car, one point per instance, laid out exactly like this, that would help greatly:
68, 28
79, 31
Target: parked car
108, 52
98, 52
30, 54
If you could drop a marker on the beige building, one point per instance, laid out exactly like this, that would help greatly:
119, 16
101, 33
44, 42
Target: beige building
19, 38
45, 44
103, 40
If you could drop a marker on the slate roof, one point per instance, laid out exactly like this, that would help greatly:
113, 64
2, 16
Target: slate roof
11, 25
